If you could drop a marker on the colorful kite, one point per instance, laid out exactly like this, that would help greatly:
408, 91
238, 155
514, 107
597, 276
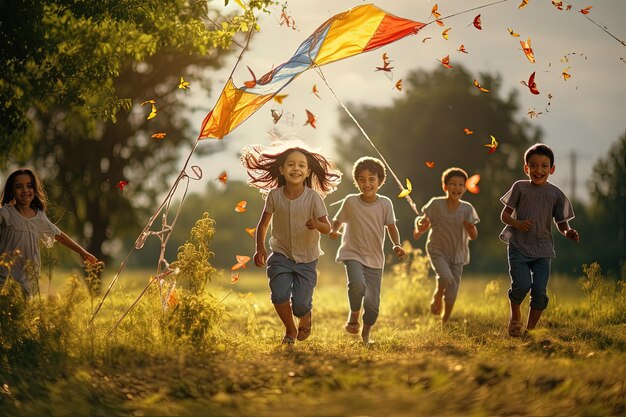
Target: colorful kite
360, 29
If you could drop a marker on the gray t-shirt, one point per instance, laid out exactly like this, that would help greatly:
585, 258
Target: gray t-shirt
290, 235
363, 238
540, 204
447, 236
25, 234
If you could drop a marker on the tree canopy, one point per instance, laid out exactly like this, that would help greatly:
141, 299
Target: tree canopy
74, 74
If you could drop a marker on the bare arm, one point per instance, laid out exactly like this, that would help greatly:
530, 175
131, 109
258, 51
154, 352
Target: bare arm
422, 224
471, 228
334, 230
260, 255
507, 218
394, 235
568, 232
321, 224
66, 241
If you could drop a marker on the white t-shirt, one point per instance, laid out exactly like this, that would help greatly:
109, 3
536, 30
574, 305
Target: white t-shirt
290, 236
363, 238
19, 232
447, 236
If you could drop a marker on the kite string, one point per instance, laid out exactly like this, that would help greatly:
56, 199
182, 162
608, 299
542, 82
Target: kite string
605, 30
467, 11
407, 197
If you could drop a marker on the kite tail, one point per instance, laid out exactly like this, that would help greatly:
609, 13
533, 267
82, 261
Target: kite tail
407, 197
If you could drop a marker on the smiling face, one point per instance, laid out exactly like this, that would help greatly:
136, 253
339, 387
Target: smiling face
454, 188
538, 169
368, 183
23, 190
295, 169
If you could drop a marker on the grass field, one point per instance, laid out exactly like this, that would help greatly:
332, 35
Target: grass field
217, 352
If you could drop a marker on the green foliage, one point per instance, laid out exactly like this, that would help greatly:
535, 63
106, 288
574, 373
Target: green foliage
606, 297
194, 320
607, 235
193, 259
412, 288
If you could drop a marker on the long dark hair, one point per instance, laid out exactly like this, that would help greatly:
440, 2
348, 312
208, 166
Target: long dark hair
263, 173
40, 202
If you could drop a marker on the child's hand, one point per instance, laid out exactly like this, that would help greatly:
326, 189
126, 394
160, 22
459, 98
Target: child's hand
572, 234
524, 225
423, 223
334, 235
259, 257
312, 224
88, 257
399, 251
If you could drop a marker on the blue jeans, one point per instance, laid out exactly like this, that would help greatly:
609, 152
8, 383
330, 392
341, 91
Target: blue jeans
364, 289
289, 280
528, 274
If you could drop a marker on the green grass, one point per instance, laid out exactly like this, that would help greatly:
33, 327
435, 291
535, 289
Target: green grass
213, 349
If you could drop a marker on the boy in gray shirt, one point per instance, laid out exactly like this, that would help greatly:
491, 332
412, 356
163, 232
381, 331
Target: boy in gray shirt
529, 208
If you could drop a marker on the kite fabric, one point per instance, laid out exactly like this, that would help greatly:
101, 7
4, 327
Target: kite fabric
360, 29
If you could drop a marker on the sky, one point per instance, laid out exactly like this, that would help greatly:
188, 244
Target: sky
586, 114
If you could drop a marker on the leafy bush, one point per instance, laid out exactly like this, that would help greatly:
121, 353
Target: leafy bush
411, 289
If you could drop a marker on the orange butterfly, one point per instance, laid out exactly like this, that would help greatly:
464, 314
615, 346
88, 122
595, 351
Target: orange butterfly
477, 85
398, 85
315, 91
251, 83
512, 33
472, 184
528, 50
493, 145
183, 84
280, 97
523, 4
159, 135
434, 12
477, 24
558, 4
467, 131
121, 185
565, 75
223, 177
241, 206
386, 59
445, 61
439, 22
241, 262
234, 278
462, 49
445, 33
586, 10
532, 85
430, 164
250, 231
172, 300
310, 119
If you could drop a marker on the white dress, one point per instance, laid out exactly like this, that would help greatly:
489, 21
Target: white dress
24, 234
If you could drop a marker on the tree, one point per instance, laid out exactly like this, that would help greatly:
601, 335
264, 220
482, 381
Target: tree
427, 124
608, 209
74, 73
